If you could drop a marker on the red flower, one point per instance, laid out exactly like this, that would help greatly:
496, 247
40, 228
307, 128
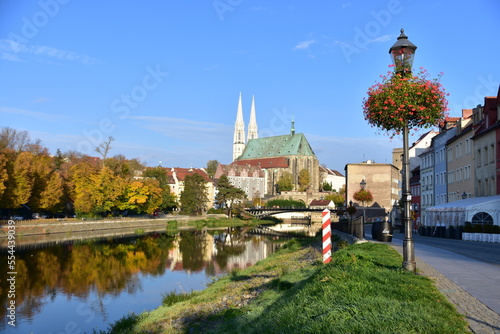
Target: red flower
402, 96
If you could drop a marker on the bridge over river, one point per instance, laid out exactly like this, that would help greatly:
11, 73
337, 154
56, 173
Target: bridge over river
269, 211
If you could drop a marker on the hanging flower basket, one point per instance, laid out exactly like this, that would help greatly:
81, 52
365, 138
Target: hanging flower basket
399, 101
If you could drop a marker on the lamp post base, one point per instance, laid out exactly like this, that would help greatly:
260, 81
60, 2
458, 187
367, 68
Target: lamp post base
409, 263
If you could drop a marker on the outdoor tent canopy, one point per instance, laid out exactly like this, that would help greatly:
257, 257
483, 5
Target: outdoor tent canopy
481, 209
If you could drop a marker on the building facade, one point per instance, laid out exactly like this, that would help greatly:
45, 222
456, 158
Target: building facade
335, 179
250, 179
460, 160
447, 130
382, 180
426, 181
176, 177
486, 140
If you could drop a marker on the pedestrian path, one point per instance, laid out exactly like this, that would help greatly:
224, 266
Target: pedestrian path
472, 286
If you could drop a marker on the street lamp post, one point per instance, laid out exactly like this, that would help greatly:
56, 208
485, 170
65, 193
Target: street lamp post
402, 53
362, 184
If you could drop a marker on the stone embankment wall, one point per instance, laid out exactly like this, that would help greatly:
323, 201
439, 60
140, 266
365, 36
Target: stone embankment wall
33, 232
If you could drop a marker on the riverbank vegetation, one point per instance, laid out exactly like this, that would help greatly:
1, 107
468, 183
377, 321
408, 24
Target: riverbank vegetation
363, 290
34, 181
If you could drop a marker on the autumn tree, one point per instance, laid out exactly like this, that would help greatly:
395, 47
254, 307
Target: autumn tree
81, 187
336, 198
24, 179
107, 191
194, 197
168, 201
48, 187
304, 179
143, 196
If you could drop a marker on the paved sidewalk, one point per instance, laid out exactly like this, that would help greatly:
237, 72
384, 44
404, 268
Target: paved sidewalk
472, 286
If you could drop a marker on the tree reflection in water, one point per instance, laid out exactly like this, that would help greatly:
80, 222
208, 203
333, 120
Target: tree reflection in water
113, 267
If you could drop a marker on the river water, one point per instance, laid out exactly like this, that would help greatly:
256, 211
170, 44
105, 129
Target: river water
76, 288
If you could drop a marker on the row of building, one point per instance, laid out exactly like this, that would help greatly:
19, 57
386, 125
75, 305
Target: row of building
455, 171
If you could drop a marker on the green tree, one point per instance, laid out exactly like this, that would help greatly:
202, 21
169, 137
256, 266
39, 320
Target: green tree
194, 197
228, 195
326, 186
212, 167
285, 183
304, 179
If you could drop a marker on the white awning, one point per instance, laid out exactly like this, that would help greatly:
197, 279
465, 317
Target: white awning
458, 212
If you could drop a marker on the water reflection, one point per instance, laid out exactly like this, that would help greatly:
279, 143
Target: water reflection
100, 273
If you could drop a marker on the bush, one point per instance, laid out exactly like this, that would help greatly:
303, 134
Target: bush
285, 203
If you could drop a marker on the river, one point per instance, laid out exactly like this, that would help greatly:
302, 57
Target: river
85, 286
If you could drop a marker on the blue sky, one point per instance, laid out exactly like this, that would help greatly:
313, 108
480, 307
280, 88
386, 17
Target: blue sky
163, 77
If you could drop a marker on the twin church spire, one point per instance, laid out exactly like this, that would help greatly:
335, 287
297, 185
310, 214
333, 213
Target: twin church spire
240, 141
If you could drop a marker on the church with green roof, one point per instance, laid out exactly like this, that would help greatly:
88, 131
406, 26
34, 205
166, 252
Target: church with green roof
279, 156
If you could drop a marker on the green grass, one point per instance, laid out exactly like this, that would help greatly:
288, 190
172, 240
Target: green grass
363, 290
171, 298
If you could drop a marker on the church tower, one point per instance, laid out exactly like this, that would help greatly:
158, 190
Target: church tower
252, 126
239, 132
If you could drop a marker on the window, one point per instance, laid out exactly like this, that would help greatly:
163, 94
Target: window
492, 153
478, 158
482, 218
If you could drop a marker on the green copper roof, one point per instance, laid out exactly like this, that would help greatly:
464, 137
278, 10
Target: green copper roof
292, 144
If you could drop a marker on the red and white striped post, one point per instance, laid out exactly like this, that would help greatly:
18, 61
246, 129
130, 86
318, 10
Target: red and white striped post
327, 236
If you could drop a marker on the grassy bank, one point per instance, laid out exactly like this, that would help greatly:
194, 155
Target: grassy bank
363, 290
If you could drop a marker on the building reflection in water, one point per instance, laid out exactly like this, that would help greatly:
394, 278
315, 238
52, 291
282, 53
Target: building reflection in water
119, 267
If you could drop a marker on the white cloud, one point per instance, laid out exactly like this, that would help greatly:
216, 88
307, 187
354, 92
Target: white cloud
33, 114
336, 152
184, 129
13, 51
40, 100
382, 39
304, 45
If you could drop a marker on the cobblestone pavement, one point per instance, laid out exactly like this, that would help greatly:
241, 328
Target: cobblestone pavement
480, 317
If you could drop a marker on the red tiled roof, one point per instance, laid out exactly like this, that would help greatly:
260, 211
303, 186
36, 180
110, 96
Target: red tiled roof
329, 171
181, 173
238, 170
279, 162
